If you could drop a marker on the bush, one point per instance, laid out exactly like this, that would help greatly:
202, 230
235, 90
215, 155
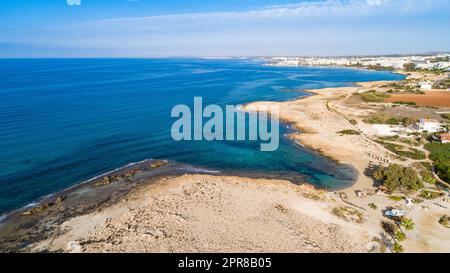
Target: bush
392, 121
373, 96
396, 198
403, 151
427, 165
440, 154
428, 177
349, 214
397, 248
398, 178
411, 103
445, 221
400, 236
374, 120
426, 194
378, 67
407, 223
383, 118
349, 132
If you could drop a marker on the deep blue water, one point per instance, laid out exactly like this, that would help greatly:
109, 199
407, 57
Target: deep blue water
63, 121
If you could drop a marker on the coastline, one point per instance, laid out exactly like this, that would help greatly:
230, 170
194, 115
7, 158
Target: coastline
175, 215
40, 220
112, 193
303, 114
167, 207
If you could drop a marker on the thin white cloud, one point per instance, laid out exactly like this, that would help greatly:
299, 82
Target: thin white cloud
375, 2
73, 2
307, 27
302, 11
309, 9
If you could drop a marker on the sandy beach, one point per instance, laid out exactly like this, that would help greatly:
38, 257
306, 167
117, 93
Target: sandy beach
319, 128
223, 213
202, 213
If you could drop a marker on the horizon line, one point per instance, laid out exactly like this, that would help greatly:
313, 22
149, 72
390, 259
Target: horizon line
239, 56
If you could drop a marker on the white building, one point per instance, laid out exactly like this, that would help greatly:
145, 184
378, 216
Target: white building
429, 125
426, 86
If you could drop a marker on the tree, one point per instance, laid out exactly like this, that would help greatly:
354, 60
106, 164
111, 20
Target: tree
397, 248
440, 154
407, 223
400, 236
398, 178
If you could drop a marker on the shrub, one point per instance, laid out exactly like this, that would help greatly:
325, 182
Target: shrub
440, 154
411, 103
349, 214
374, 120
423, 166
407, 223
373, 96
398, 178
397, 248
349, 132
396, 198
392, 121
445, 221
400, 236
383, 118
428, 177
372, 206
427, 194
403, 151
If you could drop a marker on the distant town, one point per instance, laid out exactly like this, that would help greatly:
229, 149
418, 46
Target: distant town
413, 62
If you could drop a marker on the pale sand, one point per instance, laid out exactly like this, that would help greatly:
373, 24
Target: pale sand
201, 213
319, 128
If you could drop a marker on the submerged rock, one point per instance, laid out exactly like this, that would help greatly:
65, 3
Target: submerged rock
60, 199
44, 206
37, 209
158, 163
131, 173
107, 180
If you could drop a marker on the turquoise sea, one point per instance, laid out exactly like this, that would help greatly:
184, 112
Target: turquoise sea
63, 121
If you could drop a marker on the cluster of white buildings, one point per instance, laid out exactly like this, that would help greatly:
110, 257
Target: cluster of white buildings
423, 125
428, 125
441, 61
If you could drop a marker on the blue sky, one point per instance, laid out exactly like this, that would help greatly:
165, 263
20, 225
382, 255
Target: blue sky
148, 28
